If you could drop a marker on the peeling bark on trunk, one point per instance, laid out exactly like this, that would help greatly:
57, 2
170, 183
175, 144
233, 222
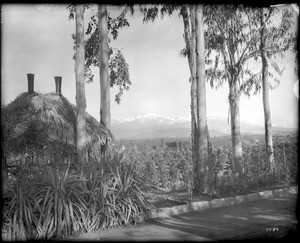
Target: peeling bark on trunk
266, 104
194, 121
194, 39
80, 86
191, 62
104, 72
194, 95
268, 124
234, 104
201, 99
237, 151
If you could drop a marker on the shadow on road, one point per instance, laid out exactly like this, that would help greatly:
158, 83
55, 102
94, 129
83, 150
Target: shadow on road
274, 218
264, 219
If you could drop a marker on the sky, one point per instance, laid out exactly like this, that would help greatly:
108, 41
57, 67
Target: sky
38, 40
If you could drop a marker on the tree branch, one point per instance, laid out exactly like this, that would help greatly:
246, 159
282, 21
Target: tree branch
248, 45
187, 33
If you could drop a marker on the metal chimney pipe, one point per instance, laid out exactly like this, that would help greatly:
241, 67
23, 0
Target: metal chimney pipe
30, 78
57, 85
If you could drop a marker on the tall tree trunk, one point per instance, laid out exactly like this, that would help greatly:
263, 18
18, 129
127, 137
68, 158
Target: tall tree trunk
265, 97
234, 102
191, 61
80, 86
104, 72
195, 135
201, 99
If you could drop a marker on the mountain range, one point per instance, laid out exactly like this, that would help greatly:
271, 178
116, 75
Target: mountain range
150, 125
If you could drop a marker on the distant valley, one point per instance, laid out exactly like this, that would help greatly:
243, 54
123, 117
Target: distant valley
152, 125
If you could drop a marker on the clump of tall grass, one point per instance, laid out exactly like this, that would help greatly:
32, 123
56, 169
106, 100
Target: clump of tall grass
51, 203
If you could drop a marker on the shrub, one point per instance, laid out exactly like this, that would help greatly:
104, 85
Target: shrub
39, 208
163, 172
55, 202
151, 173
174, 172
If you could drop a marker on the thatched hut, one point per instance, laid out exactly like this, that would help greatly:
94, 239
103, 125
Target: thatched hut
41, 128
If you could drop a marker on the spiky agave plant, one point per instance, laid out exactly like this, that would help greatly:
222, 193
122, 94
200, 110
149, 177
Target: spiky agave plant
45, 207
113, 186
57, 196
132, 204
17, 213
57, 202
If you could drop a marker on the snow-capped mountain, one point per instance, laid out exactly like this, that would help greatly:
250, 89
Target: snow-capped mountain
151, 125
146, 119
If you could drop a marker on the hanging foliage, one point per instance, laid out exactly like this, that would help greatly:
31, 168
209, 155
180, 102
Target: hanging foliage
118, 67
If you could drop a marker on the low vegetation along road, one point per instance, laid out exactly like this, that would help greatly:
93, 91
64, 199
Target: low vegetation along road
272, 218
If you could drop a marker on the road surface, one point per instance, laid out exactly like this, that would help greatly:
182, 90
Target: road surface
271, 218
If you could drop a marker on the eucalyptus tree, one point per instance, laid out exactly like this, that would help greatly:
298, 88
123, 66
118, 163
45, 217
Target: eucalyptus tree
236, 37
114, 70
201, 99
272, 41
80, 86
189, 29
277, 35
231, 37
195, 51
103, 51
265, 88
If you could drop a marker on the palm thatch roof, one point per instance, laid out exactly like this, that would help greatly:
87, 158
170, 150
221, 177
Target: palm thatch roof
36, 123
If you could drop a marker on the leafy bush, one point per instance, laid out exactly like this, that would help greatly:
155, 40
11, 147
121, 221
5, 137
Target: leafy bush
54, 202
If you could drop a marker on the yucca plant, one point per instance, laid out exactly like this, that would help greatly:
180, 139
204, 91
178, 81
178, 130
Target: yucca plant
55, 202
43, 207
17, 213
56, 195
113, 183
